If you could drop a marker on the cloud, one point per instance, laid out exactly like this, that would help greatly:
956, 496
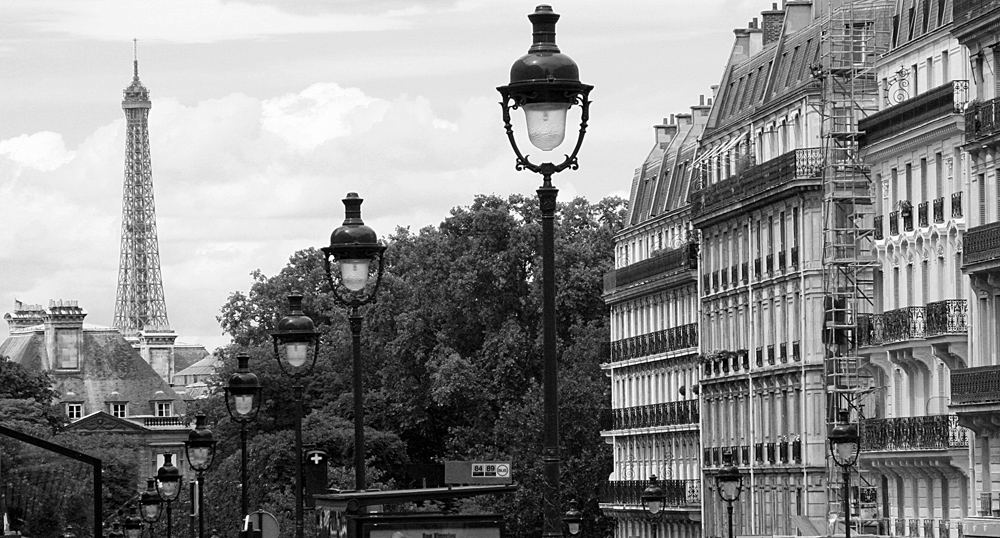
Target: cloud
44, 151
193, 21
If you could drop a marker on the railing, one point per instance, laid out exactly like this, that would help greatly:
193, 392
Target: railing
773, 453
796, 164
982, 119
904, 323
979, 384
663, 341
947, 317
956, 205
932, 432
937, 102
939, 210
982, 244
681, 258
871, 329
163, 422
650, 416
894, 223
721, 362
878, 227
922, 220
906, 213
679, 493
987, 506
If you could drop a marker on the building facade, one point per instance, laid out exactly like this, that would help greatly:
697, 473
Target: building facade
652, 426
915, 455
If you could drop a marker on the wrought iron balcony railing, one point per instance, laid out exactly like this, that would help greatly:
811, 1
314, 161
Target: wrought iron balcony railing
989, 504
922, 219
650, 416
982, 119
947, 317
906, 215
982, 244
939, 210
905, 323
894, 223
679, 493
932, 432
937, 102
979, 384
681, 259
879, 233
956, 205
796, 164
672, 339
721, 362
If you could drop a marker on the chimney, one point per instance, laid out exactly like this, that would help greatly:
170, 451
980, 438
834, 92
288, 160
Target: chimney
684, 119
24, 316
756, 37
700, 111
741, 48
665, 132
63, 334
771, 22
798, 15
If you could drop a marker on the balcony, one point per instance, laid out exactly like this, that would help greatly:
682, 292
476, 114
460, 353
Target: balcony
934, 432
982, 120
906, 214
938, 210
939, 102
894, 223
679, 493
878, 227
778, 172
982, 244
922, 219
721, 362
650, 416
672, 339
976, 385
956, 205
663, 263
905, 323
947, 317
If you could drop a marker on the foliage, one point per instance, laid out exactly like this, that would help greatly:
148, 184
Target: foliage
452, 358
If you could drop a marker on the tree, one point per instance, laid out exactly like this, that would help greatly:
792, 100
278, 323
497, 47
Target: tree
453, 346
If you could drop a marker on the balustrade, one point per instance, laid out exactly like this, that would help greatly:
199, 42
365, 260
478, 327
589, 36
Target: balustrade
678, 493
939, 209
671, 339
931, 432
947, 317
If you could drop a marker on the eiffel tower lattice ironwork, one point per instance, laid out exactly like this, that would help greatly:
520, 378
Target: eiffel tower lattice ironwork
139, 305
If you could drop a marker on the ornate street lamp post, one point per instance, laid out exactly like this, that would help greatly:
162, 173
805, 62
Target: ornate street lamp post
354, 247
653, 496
200, 448
545, 84
150, 504
168, 485
296, 346
729, 485
133, 525
573, 518
844, 447
243, 395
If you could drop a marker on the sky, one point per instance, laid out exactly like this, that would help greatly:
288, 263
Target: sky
266, 113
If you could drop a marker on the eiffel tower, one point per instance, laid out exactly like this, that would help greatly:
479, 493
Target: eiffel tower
140, 309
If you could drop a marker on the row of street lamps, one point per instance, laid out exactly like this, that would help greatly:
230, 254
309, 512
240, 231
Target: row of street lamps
844, 447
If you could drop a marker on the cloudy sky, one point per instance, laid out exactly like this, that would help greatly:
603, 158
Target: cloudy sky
266, 113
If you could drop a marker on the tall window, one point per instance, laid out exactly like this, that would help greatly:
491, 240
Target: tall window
923, 179
916, 79
908, 195
895, 287
930, 72
982, 198
938, 172
893, 186
925, 294
909, 284
945, 75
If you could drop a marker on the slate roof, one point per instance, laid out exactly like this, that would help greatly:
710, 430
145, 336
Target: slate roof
915, 18
186, 355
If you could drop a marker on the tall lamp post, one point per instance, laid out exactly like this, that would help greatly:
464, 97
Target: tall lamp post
844, 447
729, 485
149, 504
354, 246
243, 395
296, 346
168, 485
545, 84
133, 525
200, 448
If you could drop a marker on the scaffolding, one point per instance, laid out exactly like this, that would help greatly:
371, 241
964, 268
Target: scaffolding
856, 34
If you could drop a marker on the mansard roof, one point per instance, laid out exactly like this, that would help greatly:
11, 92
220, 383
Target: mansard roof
914, 19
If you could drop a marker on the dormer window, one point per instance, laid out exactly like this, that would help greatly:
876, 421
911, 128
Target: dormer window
118, 409
164, 409
74, 410
68, 349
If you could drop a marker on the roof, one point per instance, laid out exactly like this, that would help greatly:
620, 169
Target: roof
186, 355
914, 19
206, 366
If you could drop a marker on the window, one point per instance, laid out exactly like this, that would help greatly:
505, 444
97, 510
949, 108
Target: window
117, 409
164, 409
930, 72
982, 198
923, 179
916, 79
908, 195
893, 186
945, 75
938, 173
74, 411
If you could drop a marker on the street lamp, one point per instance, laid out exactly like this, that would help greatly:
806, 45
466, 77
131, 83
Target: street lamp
150, 503
168, 485
545, 84
133, 525
243, 394
653, 496
573, 518
200, 449
296, 346
729, 485
844, 447
354, 247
